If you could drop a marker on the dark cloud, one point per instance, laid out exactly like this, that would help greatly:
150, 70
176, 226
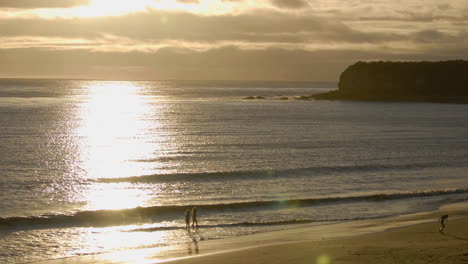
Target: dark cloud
435, 36
29, 4
292, 4
431, 36
444, 7
410, 18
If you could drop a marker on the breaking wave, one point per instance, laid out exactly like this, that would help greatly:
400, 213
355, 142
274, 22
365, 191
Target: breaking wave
171, 212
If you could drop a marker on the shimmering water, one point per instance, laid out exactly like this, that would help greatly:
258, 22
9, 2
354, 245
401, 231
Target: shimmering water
94, 166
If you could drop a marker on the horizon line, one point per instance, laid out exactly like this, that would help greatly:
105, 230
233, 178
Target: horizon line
162, 80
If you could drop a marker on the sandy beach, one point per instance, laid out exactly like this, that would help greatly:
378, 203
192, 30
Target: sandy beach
412, 242
404, 239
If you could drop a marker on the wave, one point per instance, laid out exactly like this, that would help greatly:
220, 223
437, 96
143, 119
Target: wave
101, 218
265, 174
251, 224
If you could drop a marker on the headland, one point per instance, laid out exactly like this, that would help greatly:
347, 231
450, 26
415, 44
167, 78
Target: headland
424, 81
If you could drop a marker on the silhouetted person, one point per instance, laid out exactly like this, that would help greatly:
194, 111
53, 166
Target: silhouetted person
194, 217
187, 219
442, 225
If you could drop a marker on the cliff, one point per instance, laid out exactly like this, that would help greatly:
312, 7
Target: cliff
444, 81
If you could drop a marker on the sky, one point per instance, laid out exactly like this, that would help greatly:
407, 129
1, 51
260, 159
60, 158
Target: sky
297, 40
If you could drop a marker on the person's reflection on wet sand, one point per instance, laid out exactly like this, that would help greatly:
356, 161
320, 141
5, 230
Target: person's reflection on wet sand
192, 247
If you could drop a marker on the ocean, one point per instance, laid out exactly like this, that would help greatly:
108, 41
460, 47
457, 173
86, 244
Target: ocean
90, 167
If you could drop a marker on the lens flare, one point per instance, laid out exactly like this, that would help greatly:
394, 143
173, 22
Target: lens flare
323, 259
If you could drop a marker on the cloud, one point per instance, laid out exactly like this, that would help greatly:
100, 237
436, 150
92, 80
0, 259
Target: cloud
30, 4
430, 36
261, 27
444, 7
435, 37
220, 63
259, 39
174, 63
292, 4
154, 30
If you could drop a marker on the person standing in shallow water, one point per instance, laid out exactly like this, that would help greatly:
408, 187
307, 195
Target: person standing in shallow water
194, 217
442, 225
187, 219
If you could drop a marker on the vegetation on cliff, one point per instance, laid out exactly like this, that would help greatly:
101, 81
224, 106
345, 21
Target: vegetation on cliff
444, 81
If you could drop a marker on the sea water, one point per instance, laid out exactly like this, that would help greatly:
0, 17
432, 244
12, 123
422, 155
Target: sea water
89, 167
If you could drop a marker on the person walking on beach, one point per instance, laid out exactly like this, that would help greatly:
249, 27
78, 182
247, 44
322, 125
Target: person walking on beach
194, 217
442, 225
187, 219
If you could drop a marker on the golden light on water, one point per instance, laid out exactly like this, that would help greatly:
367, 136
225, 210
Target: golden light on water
119, 135
123, 247
113, 129
115, 120
115, 196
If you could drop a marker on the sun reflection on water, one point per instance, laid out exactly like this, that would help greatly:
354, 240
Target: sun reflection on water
115, 122
113, 129
114, 196
116, 244
120, 135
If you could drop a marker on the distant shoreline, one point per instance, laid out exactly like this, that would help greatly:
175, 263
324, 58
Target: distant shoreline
336, 95
340, 96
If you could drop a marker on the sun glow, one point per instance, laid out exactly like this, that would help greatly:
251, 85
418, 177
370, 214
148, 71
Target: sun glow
118, 7
107, 8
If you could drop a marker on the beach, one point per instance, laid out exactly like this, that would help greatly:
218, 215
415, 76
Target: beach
410, 238
410, 243
405, 239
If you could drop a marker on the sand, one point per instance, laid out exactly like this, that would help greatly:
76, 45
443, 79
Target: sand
404, 239
413, 243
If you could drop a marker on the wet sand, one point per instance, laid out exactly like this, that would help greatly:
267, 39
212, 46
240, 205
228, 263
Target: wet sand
404, 239
409, 243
